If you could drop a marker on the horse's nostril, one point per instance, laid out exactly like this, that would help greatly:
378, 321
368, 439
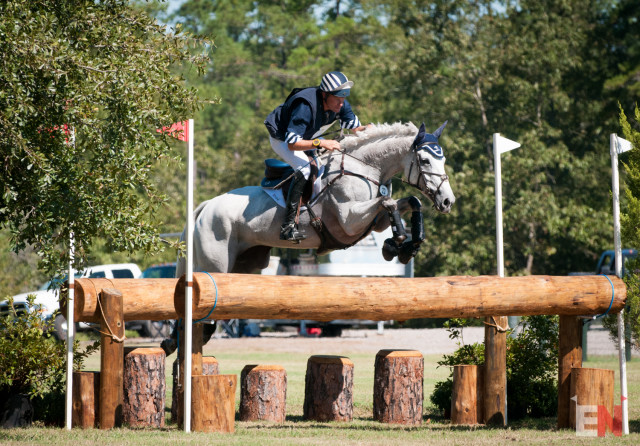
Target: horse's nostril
446, 202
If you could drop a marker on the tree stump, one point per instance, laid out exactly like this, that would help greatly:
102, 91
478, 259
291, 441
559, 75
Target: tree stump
590, 387
328, 393
263, 393
85, 399
467, 405
209, 367
213, 405
397, 387
144, 387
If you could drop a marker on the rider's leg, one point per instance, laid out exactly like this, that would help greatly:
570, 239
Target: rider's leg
299, 161
289, 229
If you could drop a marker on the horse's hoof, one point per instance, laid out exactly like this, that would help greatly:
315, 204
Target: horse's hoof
389, 249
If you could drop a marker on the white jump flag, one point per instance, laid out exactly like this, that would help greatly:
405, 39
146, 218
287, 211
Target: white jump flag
500, 145
619, 145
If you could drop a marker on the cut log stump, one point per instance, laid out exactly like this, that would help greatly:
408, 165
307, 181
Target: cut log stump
263, 393
467, 405
209, 367
213, 405
144, 387
86, 399
590, 387
328, 393
397, 387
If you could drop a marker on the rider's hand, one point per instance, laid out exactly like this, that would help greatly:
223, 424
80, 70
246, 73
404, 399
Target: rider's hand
329, 144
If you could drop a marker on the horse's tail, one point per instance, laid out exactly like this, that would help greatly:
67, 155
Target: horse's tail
181, 267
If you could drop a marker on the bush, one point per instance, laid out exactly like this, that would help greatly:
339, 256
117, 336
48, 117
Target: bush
33, 362
532, 367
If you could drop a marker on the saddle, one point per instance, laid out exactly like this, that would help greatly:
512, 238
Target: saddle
278, 175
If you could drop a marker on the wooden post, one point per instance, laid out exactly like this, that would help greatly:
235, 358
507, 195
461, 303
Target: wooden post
209, 367
328, 392
590, 387
263, 393
196, 364
144, 387
569, 356
86, 397
467, 402
495, 370
213, 408
397, 387
111, 358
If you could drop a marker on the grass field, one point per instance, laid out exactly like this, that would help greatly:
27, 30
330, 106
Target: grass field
362, 431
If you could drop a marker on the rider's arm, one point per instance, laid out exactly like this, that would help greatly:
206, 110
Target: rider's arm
300, 119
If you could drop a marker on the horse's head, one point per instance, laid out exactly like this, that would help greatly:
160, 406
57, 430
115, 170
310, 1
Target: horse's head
424, 169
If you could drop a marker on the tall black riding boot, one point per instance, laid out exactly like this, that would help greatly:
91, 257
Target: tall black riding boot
289, 229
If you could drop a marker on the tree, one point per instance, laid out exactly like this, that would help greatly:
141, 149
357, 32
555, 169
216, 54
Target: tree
83, 87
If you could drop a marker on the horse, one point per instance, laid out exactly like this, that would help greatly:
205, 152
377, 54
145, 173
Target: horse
234, 232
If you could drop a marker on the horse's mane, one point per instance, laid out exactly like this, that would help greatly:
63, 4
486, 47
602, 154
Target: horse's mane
376, 133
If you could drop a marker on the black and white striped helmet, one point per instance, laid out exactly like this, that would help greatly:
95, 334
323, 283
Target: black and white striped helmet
336, 84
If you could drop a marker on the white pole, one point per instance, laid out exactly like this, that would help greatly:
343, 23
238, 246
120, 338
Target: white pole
188, 319
498, 179
70, 338
615, 186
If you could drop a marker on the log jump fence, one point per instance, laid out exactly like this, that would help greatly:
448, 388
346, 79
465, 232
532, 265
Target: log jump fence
249, 296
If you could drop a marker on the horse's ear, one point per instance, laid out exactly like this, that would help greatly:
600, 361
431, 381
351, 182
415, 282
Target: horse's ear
438, 132
420, 135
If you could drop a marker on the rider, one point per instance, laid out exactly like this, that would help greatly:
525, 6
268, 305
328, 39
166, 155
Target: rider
295, 126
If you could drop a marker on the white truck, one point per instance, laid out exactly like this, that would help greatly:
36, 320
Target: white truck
48, 294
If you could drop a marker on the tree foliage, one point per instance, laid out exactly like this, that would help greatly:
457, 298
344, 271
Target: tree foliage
83, 87
548, 74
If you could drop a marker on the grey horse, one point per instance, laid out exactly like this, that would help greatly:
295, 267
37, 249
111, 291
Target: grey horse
235, 232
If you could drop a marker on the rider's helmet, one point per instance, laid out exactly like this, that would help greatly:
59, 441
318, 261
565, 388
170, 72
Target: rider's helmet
336, 83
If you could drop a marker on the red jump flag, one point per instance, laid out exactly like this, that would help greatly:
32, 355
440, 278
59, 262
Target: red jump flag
178, 130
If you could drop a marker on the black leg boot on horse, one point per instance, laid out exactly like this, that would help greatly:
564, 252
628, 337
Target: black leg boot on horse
289, 229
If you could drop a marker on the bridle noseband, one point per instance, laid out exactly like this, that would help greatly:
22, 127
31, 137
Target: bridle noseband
425, 175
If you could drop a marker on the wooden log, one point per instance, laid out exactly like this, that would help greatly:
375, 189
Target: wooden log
263, 393
85, 399
467, 401
591, 387
145, 299
398, 387
495, 371
256, 296
328, 392
569, 356
213, 403
111, 358
209, 367
144, 388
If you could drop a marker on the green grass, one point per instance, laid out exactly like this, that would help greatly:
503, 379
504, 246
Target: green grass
361, 431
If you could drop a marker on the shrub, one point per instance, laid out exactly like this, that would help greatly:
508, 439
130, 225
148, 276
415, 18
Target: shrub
532, 367
33, 362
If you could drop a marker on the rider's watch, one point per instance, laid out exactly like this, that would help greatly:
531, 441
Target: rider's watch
316, 142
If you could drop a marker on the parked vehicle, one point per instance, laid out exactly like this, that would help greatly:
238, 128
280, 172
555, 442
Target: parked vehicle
48, 294
607, 262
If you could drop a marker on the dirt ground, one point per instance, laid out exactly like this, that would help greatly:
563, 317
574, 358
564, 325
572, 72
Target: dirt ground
427, 341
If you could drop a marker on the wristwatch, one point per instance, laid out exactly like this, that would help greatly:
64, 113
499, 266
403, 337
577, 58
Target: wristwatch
316, 142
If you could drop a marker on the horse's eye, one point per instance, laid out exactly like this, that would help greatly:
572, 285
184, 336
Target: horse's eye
427, 162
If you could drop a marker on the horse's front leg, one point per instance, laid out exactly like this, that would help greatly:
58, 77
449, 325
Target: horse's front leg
401, 245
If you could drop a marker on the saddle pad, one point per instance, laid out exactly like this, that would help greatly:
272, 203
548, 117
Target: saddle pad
278, 196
